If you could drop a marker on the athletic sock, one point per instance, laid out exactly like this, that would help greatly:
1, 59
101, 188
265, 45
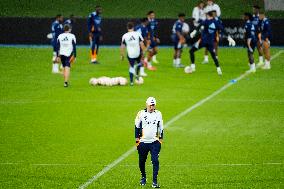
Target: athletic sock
178, 61
260, 58
206, 58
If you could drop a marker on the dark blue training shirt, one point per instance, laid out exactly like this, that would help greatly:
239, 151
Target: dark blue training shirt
211, 26
94, 23
265, 29
143, 30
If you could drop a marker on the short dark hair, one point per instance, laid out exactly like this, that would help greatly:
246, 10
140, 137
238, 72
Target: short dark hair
58, 16
150, 12
143, 20
262, 12
98, 6
210, 13
181, 15
66, 27
249, 15
130, 25
256, 6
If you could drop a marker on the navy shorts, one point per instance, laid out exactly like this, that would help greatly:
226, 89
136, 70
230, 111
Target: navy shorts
208, 46
253, 44
133, 60
153, 43
65, 60
175, 40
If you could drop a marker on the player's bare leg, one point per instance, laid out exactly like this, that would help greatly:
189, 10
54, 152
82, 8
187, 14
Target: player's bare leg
251, 62
55, 64
151, 53
213, 55
260, 53
142, 68
266, 50
206, 58
66, 74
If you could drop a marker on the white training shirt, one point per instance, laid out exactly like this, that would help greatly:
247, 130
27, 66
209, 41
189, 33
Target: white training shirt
212, 7
65, 43
132, 41
151, 123
198, 14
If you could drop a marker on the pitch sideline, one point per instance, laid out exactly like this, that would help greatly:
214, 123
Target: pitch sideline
171, 121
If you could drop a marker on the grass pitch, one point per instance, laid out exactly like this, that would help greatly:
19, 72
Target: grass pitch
56, 137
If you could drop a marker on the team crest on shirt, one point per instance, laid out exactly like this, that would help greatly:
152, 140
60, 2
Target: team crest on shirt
212, 28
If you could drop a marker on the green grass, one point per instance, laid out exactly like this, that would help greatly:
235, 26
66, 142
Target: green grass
122, 8
56, 137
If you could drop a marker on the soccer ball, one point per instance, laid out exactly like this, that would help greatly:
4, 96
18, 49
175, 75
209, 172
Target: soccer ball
122, 81
188, 70
139, 81
102, 80
115, 81
93, 81
108, 81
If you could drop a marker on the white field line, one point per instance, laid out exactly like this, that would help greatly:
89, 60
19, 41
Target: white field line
171, 121
134, 165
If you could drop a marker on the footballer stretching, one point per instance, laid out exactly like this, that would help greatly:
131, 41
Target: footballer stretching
149, 133
133, 42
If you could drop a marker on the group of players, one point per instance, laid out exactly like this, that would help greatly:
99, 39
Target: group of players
142, 39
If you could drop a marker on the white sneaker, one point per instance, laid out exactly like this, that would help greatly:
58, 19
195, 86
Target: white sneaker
154, 59
266, 67
179, 65
205, 62
219, 71
260, 64
193, 67
143, 74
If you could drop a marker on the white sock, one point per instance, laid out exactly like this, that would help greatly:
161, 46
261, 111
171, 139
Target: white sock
146, 60
178, 61
154, 58
142, 70
206, 59
218, 69
260, 58
252, 66
56, 67
193, 66
54, 57
175, 62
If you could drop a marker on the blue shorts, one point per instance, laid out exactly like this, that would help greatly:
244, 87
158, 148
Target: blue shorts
133, 60
175, 40
65, 60
153, 43
208, 46
253, 44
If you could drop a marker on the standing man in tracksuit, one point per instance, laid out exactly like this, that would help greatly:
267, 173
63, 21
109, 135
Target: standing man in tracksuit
149, 137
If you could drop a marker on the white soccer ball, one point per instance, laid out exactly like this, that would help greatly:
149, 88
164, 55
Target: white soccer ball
122, 81
49, 36
188, 70
115, 81
108, 81
93, 81
102, 80
139, 81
